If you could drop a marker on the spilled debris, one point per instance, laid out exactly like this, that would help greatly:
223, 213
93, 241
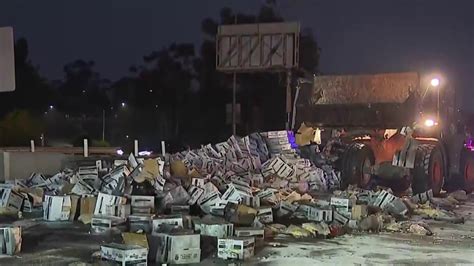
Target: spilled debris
236, 194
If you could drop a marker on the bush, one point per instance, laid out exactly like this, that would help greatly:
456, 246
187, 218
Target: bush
17, 128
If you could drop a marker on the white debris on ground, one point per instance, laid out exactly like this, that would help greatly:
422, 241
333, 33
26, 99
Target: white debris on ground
237, 193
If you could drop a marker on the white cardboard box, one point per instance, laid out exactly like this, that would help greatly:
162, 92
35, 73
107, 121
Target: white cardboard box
56, 208
180, 248
106, 200
143, 204
265, 215
195, 194
175, 220
216, 229
240, 248
10, 240
124, 254
341, 204
140, 222
10, 199
105, 224
257, 233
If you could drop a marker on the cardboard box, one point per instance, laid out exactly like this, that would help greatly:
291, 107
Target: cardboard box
341, 204
257, 233
105, 201
124, 254
135, 239
82, 188
195, 194
87, 206
217, 229
359, 212
286, 208
265, 215
10, 199
340, 218
180, 248
142, 204
114, 181
382, 199
174, 220
107, 224
239, 214
318, 214
198, 182
209, 200
10, 240
179, 209
240, 248
138, 222
56, 208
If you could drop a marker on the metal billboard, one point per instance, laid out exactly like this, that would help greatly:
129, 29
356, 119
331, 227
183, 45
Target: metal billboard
257, 47
7, 60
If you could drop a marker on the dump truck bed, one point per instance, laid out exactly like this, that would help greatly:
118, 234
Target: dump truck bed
378, 101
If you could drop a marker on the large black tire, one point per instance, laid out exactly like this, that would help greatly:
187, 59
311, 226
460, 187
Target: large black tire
357, 157
467, 171
429, 171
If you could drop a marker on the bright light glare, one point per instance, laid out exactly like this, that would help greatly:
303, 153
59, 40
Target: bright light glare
435, 82
144, 153
123, 104
429, 122
120, 152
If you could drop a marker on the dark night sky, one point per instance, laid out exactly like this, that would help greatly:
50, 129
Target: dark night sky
355, 36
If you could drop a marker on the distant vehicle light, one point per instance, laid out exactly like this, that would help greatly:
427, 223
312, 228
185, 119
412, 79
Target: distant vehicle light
144, 153
120, 152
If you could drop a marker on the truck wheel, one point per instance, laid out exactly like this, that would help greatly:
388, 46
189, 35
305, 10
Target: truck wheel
429, 170
468, 171
357, 158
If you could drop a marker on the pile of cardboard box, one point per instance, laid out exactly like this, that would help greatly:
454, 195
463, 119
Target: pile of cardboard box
235, 190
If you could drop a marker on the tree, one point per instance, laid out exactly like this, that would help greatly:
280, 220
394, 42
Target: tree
32, 91
82, 91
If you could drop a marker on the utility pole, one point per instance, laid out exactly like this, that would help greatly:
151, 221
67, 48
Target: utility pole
288, 99
103, 125
234, 89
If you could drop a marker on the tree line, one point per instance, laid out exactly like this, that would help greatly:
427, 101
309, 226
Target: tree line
174, 94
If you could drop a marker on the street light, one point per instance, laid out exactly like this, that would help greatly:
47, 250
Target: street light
435, 82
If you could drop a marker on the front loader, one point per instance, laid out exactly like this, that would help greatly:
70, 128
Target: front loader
394, 127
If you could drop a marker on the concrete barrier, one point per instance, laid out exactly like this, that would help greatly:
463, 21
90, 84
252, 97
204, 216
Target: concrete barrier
19, 164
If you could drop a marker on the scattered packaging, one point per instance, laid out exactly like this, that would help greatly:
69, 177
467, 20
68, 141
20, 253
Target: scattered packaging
10, 240
180, 248
10, 199
56, 208
265, 215
87, 206
142, 204
105, 203
124, 254
107, 224
239, 214
174, 220
240, 248
359, 212
143, 222
135, 239
179, 209
217, 228
257, 233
